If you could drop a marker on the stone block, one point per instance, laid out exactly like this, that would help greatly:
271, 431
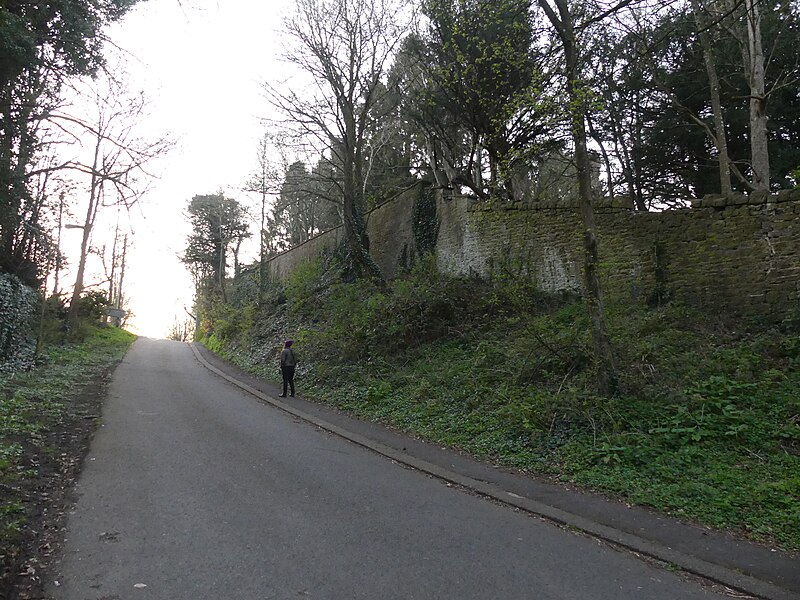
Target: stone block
715, 202
792, 195
622, 202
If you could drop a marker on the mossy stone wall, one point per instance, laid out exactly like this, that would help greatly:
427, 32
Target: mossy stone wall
739, 254
390, 228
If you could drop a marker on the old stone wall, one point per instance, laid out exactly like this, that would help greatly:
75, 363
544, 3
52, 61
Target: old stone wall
738, 254
280, 267
391, 233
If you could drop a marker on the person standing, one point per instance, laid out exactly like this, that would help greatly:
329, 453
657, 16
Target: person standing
288, 364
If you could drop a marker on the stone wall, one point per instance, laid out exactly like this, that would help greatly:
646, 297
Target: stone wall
739, 254
391, 233
281, 266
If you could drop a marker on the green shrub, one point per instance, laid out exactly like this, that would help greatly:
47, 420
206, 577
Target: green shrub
303, 285
36, 403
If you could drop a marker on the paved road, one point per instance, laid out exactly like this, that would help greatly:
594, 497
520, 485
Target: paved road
196, 490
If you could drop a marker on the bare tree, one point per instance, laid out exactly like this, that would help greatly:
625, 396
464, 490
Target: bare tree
345, 46
116, 158
181, 331
567, 26
264, 181
115, 270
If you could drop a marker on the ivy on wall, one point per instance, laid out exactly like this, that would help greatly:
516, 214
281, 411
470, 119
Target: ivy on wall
17, 312
425, 222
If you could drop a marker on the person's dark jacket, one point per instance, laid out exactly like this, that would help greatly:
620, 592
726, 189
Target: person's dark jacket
288, 358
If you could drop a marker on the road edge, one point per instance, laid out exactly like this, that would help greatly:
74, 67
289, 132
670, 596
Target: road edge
713, 572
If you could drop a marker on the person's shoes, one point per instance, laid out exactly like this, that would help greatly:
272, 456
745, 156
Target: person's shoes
291, 395
281, 395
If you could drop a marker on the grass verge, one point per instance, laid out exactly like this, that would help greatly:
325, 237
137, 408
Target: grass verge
47, 415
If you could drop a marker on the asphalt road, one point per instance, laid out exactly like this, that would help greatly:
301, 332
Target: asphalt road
195, 490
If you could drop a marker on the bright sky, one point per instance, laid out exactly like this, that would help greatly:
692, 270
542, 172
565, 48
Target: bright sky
202, 63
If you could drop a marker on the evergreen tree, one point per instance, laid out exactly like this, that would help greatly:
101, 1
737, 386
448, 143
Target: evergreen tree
219, 225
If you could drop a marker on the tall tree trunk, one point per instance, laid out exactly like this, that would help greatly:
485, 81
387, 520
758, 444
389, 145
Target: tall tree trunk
120, 295
754, 65
720, 137
606, 158
58, 257
91, 213
262, 254
236, 265
221, 268
112, 277
222, 249
10, 201
592, 291
355, 231
87, 233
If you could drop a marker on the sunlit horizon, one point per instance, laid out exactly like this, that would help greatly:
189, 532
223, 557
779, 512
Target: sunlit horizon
215, 126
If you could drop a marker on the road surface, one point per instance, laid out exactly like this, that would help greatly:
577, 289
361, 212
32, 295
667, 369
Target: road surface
195, 490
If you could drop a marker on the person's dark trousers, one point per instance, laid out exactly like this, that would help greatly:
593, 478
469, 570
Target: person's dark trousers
288, 379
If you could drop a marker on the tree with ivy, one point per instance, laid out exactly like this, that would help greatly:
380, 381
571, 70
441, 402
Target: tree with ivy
345, 46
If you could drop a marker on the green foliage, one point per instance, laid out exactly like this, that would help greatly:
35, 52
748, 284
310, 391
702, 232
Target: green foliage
476, 79
90, 315
217, 223
53, 326
425, 222
302, 286
92, 305
504, 372
419, 308
34, 405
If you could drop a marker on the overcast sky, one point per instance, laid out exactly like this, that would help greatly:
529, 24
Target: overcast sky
202, 63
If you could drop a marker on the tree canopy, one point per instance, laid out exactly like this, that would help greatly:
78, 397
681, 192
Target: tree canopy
42, 44
219, 225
